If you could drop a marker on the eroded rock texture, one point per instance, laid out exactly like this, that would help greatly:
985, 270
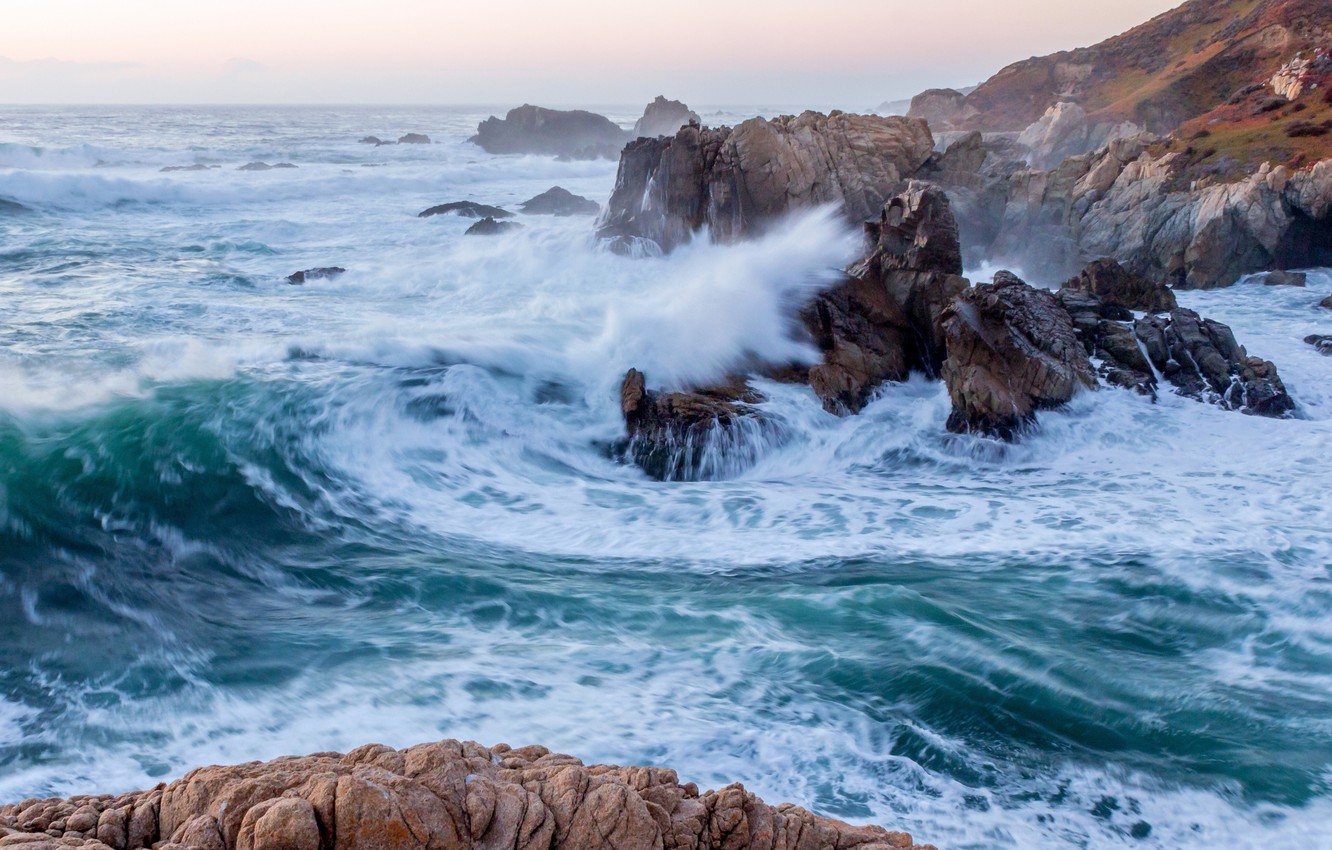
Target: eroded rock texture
443, 796
1012, 350
735, 181
663, 117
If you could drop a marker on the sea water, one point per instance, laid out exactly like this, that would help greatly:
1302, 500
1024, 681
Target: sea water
241, 518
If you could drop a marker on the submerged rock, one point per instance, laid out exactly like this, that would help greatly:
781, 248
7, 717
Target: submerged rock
374, 140
559, 202
736, 182
414, 139
1321, 342
689, 436
1282, 278
321, 273
167, 169
488, 226
575, 134
1012, 351
449, 795
466, 209
255, 166
663, 117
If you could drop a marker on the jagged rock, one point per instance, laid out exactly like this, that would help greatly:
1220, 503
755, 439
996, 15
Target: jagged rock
1201, 358
488, 226
885, 321
466, 209
1321, 342
737, 181
532, 129
443, 796
942, 108
663, 117
1065, 130
1115, 286
322, 273
560, 202
1282, 278
685, 436
414, 139
1012, 350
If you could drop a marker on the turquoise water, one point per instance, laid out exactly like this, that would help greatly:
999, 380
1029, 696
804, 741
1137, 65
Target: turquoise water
240, 519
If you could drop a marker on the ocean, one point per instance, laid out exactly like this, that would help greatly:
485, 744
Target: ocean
241, 518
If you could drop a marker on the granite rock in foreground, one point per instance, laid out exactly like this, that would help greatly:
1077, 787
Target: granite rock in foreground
442, 796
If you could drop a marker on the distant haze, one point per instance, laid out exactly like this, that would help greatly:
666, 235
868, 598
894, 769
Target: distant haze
851, 54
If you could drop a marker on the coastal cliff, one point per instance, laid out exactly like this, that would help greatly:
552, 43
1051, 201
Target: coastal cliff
448, 795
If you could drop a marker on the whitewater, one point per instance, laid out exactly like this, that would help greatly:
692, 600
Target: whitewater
241, 518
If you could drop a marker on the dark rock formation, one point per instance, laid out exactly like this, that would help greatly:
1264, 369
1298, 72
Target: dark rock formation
532, 129
560, 202
1115, 286
1321, 342
1280, 278
488, 226
663, 117
1326, 303
321, 273
1202, 360
374, 140
444, 796
414, 139
885, 322
255, 166
696, 435
736, 181
196, 167
1012, 350
466, 209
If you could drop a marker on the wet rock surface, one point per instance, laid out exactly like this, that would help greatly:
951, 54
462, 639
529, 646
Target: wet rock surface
558, 201
1322, 342
574, 134
466, 209
449, 795
1012, 351
489, 226
414, 139
736, 181
1115, 286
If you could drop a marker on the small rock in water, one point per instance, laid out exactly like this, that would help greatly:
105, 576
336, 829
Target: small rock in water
466, 209
488, 226
255, 166
196, 167
321, 273
414, 139
1321, 342
1280, 278
374, 140
1326, 302
284, 165
560, 202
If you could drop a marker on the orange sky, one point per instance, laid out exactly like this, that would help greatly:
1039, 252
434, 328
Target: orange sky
714, 51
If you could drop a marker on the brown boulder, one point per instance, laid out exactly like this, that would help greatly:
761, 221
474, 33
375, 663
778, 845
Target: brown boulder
1012, 350
444, 796
1115, 286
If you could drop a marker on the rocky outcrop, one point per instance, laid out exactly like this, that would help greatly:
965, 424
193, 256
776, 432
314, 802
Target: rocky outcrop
414, 139
488, 226
1280, 278
559, 202
1321, 342
1326, 303
941, 108
706, 432
885, 321
1115, 286
443, 796
1202, 360
198, 166
1133, 204
466, 209
321, 273
663, 117
735, 181
575, 134
1065, 130
1012, 351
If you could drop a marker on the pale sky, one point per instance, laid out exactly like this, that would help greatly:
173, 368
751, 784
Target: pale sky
822, 53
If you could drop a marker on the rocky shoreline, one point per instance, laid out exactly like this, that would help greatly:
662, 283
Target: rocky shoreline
448, 795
